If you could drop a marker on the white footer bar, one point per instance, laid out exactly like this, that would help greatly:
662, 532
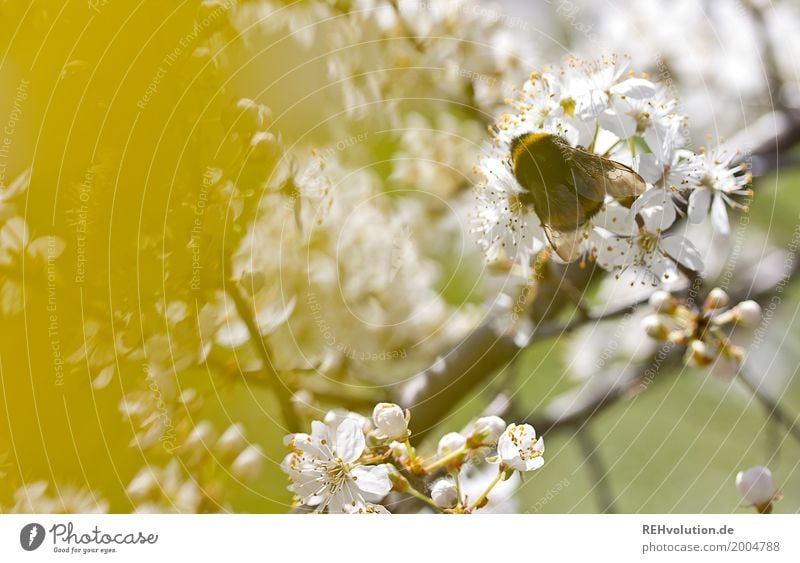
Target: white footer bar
119, 538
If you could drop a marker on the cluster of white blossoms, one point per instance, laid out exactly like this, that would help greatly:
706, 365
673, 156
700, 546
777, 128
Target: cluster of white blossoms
39, 497
717, 53
350, 464
194, 476
604, 108
17, 246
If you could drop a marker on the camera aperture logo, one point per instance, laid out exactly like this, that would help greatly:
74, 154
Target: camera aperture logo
31, 536
66, 539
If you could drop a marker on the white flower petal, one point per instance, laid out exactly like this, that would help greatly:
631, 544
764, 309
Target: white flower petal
636, 88
372, 479
719, 216
232, 334
591, 104
616, 219
699, 201
310, 447
349, 441
621, 124
663, 268
649, 167
14, 235
535, 463
659, 218
682, 250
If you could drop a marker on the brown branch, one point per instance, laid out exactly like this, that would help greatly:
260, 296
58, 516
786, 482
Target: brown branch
270, 376
431, 393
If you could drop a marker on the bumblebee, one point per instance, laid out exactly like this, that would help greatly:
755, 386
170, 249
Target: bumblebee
567, 186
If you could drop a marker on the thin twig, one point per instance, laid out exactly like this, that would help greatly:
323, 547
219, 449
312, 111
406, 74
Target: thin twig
774, 410
597, 471
272, 377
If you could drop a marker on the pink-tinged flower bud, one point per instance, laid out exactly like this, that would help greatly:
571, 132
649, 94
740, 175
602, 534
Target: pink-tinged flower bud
756, 486
654, 327
749, 313
662, 301
444, 493
390, 421
698, 354
717, 299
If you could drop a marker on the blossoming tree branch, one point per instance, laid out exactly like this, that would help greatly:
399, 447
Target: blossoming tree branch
322, 241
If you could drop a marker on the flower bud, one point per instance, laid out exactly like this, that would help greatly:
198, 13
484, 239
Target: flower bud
749, 313
247, 465
390, 421
662, 301
698, 354
232, 441
398, 449
654, 327
450, 442
756, 485
716, 299
444, 493
487, 429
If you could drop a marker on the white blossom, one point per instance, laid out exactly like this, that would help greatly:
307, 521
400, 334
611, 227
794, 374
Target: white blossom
625, 118
652, 256
721, 181
506, 229
325, 469
518, 448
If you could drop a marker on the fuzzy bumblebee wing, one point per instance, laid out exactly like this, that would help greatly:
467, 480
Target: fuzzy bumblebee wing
596, 176
567, 244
